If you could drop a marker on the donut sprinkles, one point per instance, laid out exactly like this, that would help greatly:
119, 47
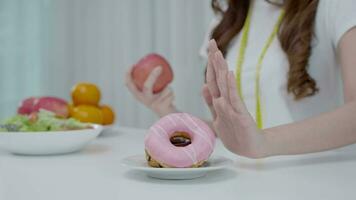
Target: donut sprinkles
179, 140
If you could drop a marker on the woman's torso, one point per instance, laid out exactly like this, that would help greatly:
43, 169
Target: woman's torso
278, 106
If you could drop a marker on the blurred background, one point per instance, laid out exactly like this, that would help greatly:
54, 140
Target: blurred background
47, 46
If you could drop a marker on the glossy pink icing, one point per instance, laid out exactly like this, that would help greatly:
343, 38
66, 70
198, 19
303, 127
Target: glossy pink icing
158, 145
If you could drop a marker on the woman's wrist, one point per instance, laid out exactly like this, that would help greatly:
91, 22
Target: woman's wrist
262, 146
271, 145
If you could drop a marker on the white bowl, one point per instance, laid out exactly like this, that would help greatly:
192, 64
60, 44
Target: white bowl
107, 129
47, 143
139, 163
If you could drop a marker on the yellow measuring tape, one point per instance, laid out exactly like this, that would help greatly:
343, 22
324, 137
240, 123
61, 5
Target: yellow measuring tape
241, 59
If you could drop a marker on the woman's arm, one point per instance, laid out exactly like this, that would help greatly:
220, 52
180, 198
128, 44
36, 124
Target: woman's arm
240, 135
324, 132
330, 130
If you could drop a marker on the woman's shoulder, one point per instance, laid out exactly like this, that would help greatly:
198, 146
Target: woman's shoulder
336, 17
333, 9
336, 6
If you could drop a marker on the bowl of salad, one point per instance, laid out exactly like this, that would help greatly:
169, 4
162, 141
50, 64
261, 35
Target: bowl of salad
44, 133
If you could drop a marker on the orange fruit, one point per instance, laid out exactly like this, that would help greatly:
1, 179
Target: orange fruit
88, 113
108, 115
70, 109
85, 93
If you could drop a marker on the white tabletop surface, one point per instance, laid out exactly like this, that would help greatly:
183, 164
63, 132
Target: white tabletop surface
96, 173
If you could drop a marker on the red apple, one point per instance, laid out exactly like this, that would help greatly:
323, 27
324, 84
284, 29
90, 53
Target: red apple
53, 104
27, 105
143, 68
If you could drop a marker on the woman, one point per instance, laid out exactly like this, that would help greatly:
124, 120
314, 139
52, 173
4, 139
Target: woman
288, 66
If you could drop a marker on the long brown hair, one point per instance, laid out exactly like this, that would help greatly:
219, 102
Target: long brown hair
295, 35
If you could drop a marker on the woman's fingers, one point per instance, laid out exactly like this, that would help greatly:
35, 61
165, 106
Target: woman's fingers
221, 107
167, 101
234, 98
232, 92
211, 79
164, 100
211, 74
213, 47
221, 70
209, 100
230, 100
150, 81
166, 92
207, 96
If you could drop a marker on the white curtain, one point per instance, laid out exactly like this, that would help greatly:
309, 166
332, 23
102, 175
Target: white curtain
68, 41
24, 42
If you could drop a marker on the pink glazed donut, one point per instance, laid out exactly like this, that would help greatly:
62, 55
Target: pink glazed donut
179, 140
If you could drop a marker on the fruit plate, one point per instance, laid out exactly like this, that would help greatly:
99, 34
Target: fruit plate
47, 143
139, 163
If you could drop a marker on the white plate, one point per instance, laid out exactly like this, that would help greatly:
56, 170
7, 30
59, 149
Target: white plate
139, 163
47, 143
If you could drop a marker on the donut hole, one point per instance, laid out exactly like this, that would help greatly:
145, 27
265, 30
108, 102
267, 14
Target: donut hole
180, 139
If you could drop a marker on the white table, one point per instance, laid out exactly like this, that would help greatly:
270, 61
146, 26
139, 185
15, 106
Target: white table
96, 173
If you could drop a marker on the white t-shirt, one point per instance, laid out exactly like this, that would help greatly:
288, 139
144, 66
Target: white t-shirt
334, 18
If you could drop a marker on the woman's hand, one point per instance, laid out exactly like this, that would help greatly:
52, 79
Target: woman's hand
232, 121
208, 99
160, 103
